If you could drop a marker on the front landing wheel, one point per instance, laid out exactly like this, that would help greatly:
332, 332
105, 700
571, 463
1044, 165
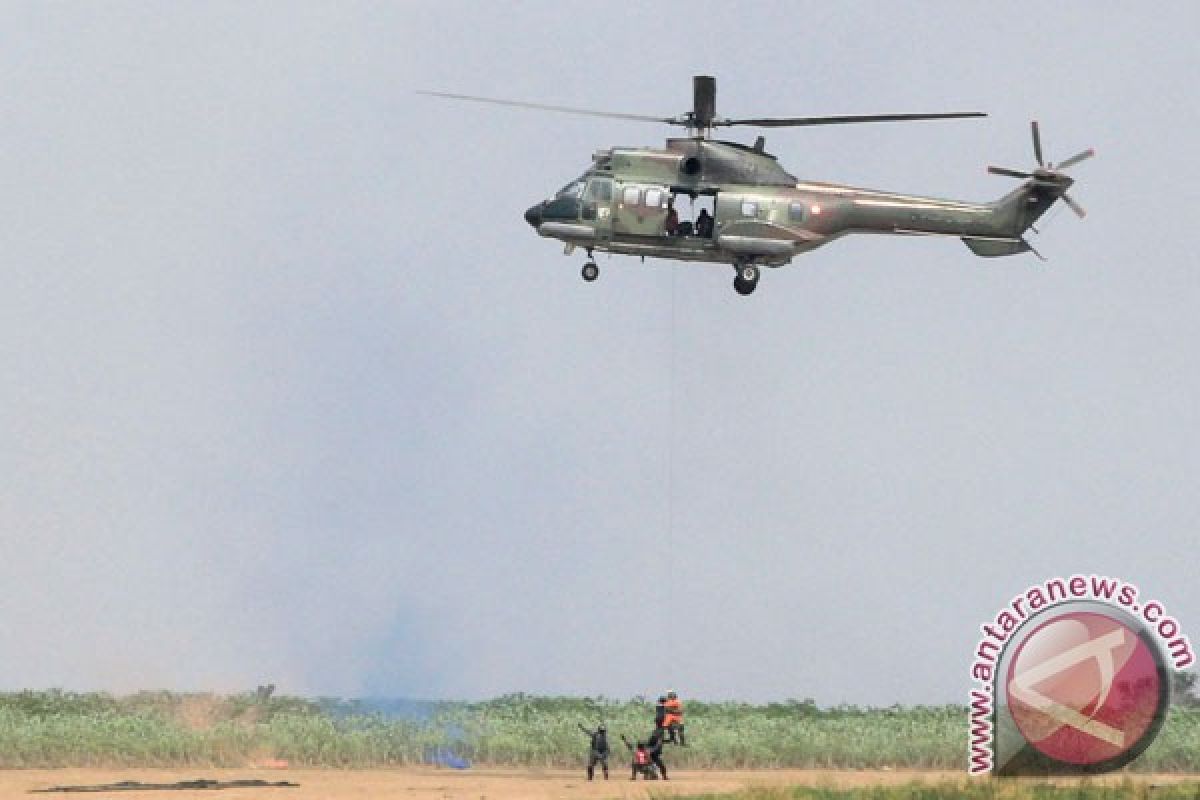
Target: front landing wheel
747, 277
748, 273
590, 271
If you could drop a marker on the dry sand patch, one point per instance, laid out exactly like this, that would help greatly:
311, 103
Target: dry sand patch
421, 783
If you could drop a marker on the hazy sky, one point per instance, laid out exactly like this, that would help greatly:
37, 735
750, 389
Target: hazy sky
292, 393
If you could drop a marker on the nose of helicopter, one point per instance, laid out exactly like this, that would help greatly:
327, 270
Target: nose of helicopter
534, 215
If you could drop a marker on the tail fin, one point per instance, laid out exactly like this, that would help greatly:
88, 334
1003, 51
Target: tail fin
1018, 210
1012, 214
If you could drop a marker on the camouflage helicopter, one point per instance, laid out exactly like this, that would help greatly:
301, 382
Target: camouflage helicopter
627, 201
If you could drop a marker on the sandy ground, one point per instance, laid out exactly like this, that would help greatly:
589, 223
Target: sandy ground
446, 784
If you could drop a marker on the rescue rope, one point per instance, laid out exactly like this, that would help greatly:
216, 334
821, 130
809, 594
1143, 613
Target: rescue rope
671, 447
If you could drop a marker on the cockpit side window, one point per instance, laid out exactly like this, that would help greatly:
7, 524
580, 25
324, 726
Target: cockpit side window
600, 190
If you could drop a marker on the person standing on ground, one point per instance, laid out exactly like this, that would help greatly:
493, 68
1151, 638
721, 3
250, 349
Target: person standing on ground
599, 750
654, 747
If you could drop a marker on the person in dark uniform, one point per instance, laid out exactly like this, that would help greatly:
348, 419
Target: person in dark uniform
599, 750
671, 225
660, 713
704, 224
654, 748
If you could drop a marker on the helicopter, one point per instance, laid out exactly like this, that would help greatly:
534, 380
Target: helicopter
763, 216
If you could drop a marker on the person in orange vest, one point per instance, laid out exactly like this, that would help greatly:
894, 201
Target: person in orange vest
673, 720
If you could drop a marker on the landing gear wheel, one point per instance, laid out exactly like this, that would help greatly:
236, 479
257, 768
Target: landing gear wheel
747, 278
590, 271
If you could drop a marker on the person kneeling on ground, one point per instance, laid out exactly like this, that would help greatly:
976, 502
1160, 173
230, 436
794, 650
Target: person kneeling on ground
641, 761
599, 750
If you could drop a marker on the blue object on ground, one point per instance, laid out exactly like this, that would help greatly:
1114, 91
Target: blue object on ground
444, 758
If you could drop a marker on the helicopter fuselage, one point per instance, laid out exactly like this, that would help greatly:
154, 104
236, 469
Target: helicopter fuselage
760, 214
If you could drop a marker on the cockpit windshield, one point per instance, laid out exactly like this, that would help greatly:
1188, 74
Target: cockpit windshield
574, 189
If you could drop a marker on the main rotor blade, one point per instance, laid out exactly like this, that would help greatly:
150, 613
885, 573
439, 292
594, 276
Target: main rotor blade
788, 122
1078, 209
1012, 173
543, 107
1037, 144
1075, 159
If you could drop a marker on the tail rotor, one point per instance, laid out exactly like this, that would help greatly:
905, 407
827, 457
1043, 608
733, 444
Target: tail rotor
1048, 174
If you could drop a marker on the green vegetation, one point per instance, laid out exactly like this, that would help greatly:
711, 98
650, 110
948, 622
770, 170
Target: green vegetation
54, 728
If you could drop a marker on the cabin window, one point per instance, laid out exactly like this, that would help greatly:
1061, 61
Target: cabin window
749, 208
600, 190
796, 212
632, 196
653, 198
